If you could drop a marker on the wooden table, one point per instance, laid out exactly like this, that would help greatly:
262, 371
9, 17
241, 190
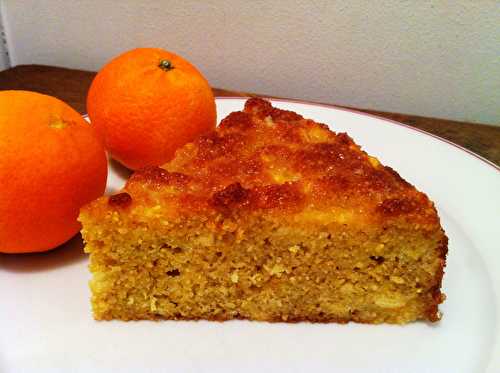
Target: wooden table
71, 86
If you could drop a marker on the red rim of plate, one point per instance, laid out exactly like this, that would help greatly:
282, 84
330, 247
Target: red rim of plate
331, 106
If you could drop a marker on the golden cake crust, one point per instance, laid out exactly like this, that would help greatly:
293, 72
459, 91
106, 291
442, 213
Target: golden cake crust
271, 159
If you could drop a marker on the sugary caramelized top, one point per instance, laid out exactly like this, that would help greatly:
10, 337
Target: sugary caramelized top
274, 161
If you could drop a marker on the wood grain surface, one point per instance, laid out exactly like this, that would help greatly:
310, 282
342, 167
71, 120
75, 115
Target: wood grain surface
72, 85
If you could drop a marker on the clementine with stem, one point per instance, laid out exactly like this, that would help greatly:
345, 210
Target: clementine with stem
147, 103
52, 163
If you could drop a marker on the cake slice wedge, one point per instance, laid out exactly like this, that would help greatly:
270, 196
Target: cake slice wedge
271, 217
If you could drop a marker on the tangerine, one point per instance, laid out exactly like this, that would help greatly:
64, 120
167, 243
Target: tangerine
52, 163
148, 102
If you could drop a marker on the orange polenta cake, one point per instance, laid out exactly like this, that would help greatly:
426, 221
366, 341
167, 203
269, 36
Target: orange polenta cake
270, 217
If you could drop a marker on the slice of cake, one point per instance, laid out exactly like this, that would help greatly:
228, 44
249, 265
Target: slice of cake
270, 217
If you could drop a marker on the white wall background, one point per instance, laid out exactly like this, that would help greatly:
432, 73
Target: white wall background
436, 58
4, 57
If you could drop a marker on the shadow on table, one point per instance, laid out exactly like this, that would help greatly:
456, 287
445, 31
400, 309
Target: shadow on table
69, 253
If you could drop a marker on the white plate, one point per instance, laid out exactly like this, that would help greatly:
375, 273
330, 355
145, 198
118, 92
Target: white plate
46, 323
